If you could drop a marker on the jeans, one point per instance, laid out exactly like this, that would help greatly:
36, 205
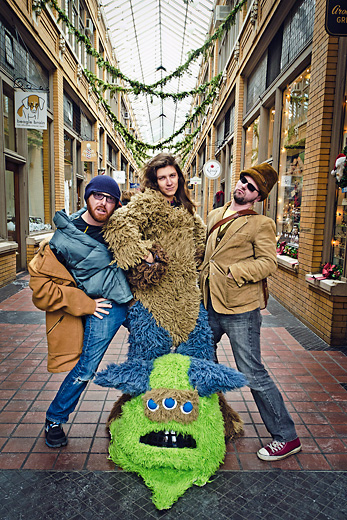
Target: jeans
98, 335
243, 331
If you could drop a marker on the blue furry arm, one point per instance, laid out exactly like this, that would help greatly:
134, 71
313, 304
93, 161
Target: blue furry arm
209, 378
131, 377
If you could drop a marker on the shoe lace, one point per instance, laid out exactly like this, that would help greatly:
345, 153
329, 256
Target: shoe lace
276, 446
52, 425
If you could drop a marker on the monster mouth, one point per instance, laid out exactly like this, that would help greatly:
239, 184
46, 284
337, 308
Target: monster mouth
166, 439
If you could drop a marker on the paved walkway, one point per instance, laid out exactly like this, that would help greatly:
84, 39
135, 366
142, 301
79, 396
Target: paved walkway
313, 381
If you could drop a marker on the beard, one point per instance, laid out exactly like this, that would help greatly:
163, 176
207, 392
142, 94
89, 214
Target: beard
101, 218
239, 199
242, 199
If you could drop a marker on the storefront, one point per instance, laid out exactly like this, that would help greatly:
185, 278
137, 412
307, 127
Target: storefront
46, 164
282, 100
25, 152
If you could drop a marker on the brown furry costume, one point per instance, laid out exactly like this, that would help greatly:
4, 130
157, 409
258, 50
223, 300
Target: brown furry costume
131, 232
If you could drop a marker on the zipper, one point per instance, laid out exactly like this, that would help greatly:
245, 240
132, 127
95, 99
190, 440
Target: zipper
55, 325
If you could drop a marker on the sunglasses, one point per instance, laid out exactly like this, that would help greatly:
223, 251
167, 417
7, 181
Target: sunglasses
100, 196
250, 186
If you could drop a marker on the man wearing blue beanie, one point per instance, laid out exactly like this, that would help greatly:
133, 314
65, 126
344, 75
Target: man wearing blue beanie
85, 297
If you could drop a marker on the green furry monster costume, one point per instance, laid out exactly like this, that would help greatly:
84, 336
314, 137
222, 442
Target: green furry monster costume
172, 434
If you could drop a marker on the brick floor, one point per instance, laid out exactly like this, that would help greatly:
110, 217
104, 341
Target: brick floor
313, 384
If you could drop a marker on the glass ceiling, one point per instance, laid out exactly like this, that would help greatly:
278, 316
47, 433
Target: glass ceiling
152, 39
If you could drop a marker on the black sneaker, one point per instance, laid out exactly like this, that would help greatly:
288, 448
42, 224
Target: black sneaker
55, 436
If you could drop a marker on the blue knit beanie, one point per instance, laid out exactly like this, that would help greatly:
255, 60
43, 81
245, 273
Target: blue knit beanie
105, 184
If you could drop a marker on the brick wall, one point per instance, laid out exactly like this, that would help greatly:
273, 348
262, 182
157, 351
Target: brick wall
7, 268
325, 314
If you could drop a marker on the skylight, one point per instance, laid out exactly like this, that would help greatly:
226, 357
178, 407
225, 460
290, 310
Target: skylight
152, 39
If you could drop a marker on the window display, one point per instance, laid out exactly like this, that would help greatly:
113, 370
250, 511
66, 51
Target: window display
292, 158
339, 239
252, 144
37, 180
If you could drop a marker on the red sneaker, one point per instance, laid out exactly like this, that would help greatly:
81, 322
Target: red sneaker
277, 450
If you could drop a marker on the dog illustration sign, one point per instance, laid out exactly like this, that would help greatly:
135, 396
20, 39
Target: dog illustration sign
30, 110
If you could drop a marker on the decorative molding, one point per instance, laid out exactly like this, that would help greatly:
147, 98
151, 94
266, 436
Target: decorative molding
37, 7
99, 13
254, 12
237, 51
79, 71
62, 43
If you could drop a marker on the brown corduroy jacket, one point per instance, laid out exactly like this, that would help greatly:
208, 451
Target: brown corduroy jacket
247, 251
55, 291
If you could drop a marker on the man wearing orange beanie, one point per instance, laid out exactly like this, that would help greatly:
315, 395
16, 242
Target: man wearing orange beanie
240, 254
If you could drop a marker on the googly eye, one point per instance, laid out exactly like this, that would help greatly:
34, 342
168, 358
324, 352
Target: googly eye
187, 407
169, 403
152, 405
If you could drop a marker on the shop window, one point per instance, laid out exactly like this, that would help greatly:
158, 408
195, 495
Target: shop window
86, 128
68, 171
229, 121
68, 111
297, 31
9, 54
11, 205
274, 57
256, 83
252, 144
9, 129
271, 131
339, 239
292, 158
38, 172
220, 135
100, 69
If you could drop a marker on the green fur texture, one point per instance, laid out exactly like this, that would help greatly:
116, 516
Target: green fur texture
130, 233
169, 472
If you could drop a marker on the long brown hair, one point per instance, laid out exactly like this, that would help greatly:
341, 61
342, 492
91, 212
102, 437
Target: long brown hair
149, 178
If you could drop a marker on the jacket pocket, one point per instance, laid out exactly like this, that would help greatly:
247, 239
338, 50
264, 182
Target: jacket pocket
55, 325
236, 296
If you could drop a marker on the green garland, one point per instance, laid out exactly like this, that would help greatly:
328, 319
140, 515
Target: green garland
143, 147
137, 147
137, 86
104, 86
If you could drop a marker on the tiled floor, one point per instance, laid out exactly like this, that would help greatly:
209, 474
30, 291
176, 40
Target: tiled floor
313, 384
308, 486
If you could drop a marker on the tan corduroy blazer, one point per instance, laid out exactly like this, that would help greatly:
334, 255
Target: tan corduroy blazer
248, 251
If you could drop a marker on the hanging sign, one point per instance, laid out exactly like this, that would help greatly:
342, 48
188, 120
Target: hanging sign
195, 180
30, 109
212, 169
336, 18
89, 151
119, 176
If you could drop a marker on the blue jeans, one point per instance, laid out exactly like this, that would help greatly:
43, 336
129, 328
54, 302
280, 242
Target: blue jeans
243, 331
98, 335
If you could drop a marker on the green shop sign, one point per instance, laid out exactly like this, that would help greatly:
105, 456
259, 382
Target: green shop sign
336, 17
